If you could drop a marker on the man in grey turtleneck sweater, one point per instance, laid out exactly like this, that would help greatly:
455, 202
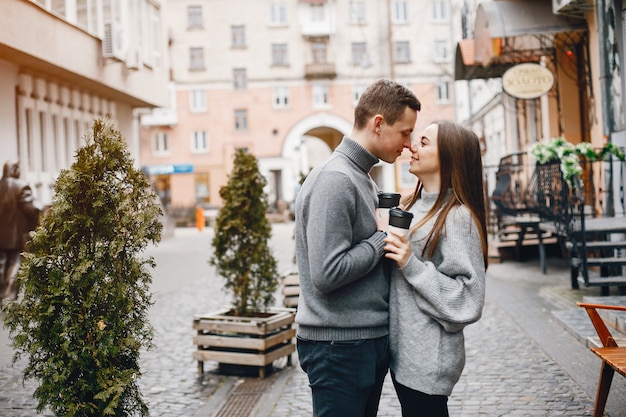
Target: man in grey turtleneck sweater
342, 313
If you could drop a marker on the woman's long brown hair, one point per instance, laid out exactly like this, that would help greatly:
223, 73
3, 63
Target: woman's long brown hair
461, 170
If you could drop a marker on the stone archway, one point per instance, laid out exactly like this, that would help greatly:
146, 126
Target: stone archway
309, 142
304, 148
327, 127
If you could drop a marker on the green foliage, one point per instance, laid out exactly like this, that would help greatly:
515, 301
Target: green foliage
83, 316
559, 149
242, 255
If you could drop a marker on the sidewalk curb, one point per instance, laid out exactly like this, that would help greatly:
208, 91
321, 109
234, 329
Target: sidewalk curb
268, 400
217, 399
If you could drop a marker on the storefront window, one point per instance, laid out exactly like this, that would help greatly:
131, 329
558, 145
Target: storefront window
203, 194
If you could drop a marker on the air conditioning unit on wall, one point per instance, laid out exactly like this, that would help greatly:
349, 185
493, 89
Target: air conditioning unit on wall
112, 42
133, 59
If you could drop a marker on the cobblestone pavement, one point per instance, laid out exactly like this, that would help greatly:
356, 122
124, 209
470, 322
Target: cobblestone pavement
183, 285
525, 357
505, 375
521, 361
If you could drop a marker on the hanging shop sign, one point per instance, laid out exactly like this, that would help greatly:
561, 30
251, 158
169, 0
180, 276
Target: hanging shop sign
168, 169
527, 81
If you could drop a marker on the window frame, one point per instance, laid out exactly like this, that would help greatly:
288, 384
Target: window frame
440, 11
194, 20
443, 92
357, 92
196, 58
197, 100
319, 52
320, 95
241, 120
280, 97
359, 48
240, 79
441, 50
196, 136
280, 55
278, 13
161, 143
357, 12
402, 52
400, 12
238, 36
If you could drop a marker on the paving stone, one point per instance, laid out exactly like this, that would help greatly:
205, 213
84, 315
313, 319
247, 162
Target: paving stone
507, 373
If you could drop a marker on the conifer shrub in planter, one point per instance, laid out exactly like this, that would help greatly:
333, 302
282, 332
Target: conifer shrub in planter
251, 333
81, 318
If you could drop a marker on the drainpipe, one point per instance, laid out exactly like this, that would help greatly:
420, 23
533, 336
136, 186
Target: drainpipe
608, 122
392, 70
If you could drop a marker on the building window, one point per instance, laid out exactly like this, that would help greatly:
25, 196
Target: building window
441, 53
357, 11
153, 46
203, 194
199, 142
281, 97
278, 13
238, 35
318, 51
440, 13
400, 12
359, 54
241, 120
443, 92
320, 95
161, 143
403, 52
194, 17
196, 58
318, 12
279, 54
197, 101
240, 81
357, 91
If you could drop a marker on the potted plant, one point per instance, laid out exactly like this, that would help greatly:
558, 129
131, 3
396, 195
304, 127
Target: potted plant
250, 333
569, 155
81, 319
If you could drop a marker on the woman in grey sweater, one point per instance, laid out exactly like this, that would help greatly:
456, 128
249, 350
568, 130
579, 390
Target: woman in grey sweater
438, 287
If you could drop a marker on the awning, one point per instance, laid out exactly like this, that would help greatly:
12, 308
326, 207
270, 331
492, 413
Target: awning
467, 69
508, 19
507, 33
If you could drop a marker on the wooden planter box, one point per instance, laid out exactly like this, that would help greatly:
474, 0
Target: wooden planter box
291, 290
248, 341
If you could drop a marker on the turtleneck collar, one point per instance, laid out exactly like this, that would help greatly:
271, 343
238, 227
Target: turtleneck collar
363, 158
426, 200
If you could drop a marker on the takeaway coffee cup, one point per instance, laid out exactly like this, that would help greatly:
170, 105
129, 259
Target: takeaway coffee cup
387, 201
400, 220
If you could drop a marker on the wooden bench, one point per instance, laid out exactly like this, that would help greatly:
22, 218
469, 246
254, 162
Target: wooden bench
613, 356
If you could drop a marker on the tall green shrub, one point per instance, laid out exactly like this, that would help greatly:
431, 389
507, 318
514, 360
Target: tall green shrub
82, 317
241, 251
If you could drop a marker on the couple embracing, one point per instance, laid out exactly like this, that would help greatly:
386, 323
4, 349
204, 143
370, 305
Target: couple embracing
373, 300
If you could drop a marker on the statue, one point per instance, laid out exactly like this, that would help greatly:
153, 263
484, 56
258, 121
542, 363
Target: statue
18, 216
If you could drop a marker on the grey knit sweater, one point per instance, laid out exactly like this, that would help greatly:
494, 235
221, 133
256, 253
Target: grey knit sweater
344, 294
432, 300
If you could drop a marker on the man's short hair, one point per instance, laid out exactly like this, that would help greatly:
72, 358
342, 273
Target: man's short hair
387, 98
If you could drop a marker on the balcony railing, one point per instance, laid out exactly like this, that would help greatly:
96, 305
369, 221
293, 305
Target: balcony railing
319, 70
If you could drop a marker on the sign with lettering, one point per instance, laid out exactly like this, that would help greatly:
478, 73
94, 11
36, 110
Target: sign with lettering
168, 169
527, 81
